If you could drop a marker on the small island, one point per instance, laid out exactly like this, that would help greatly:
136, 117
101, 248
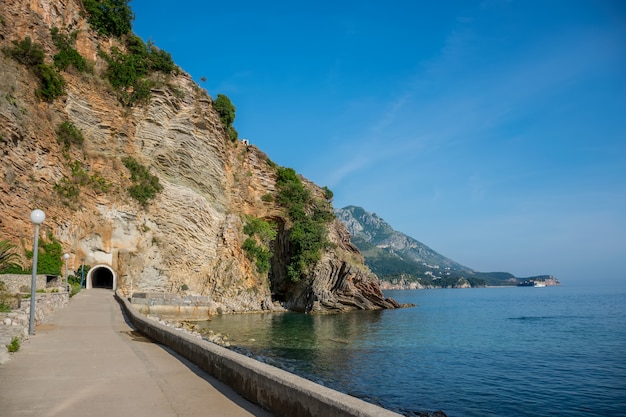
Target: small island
541, 281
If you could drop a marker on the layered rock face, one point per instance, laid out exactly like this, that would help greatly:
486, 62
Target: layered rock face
189, 238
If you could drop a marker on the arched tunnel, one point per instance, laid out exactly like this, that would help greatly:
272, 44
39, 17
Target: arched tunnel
101, 276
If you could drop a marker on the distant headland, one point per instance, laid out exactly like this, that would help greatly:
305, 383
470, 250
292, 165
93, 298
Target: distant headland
402, 262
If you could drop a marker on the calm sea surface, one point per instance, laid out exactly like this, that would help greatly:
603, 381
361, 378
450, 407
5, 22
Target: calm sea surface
554, 351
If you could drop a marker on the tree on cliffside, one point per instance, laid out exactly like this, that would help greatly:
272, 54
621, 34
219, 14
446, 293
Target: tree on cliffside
226, 110
110, 17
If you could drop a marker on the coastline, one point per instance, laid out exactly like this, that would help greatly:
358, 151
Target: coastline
281, 392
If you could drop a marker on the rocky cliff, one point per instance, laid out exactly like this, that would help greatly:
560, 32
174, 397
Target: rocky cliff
190, 236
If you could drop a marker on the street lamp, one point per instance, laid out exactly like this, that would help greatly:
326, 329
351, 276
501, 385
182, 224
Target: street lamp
37, 217
82, 272
66, 257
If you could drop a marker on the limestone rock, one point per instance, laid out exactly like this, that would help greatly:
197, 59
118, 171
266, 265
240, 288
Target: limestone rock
190, 236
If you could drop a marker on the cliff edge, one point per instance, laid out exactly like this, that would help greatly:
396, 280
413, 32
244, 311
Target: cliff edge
186, 237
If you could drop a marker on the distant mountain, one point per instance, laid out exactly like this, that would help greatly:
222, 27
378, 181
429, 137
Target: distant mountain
404, 262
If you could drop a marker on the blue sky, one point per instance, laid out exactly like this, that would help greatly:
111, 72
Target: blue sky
493, 131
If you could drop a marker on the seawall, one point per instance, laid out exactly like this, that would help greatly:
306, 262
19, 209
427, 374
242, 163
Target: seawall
280, 392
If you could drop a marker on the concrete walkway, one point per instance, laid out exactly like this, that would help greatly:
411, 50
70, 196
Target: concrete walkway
87, 361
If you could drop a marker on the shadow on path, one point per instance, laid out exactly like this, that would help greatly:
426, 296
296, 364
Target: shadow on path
89, 361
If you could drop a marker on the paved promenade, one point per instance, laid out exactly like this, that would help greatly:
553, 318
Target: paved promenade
87, 361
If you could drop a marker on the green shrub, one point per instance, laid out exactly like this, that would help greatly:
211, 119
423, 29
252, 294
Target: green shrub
74, 282
99, 184
124, 69
67, 55
140, 93
128, 72
265, 231
261, 255
5, 307
232, 133
160, 60
226, 110
68, 134
109, 17
14, 269
14, 346
52, 83
261, 234
31, 55
145, 185
328, 194
26, 52
49, 258
75, 289
69, 188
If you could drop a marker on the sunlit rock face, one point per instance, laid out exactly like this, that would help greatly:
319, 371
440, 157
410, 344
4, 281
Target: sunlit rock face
189, 238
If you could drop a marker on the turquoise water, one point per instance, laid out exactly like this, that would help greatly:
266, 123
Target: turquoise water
554, 351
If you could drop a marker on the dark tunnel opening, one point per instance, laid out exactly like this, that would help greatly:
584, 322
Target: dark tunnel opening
102, 278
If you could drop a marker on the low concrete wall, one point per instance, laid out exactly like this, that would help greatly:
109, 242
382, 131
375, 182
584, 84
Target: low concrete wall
165, 305
282, 393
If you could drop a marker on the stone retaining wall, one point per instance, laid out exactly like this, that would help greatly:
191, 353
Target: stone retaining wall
15, 323
282, 393
14, 282
45, 305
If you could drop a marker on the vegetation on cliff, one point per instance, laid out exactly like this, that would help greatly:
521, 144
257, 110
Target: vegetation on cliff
226, 110
308, 231
31, 54
145, 185
109, 17
261, 234
53, 151
69, 188
129, 72
309, 217
68, 134
67, 55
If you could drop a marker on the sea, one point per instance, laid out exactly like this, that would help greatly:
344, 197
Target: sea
510, 351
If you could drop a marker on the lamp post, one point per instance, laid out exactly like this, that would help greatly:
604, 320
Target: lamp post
66, 257
37, 217
82, 273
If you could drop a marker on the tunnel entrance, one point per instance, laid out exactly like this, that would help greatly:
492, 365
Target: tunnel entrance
101, 276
